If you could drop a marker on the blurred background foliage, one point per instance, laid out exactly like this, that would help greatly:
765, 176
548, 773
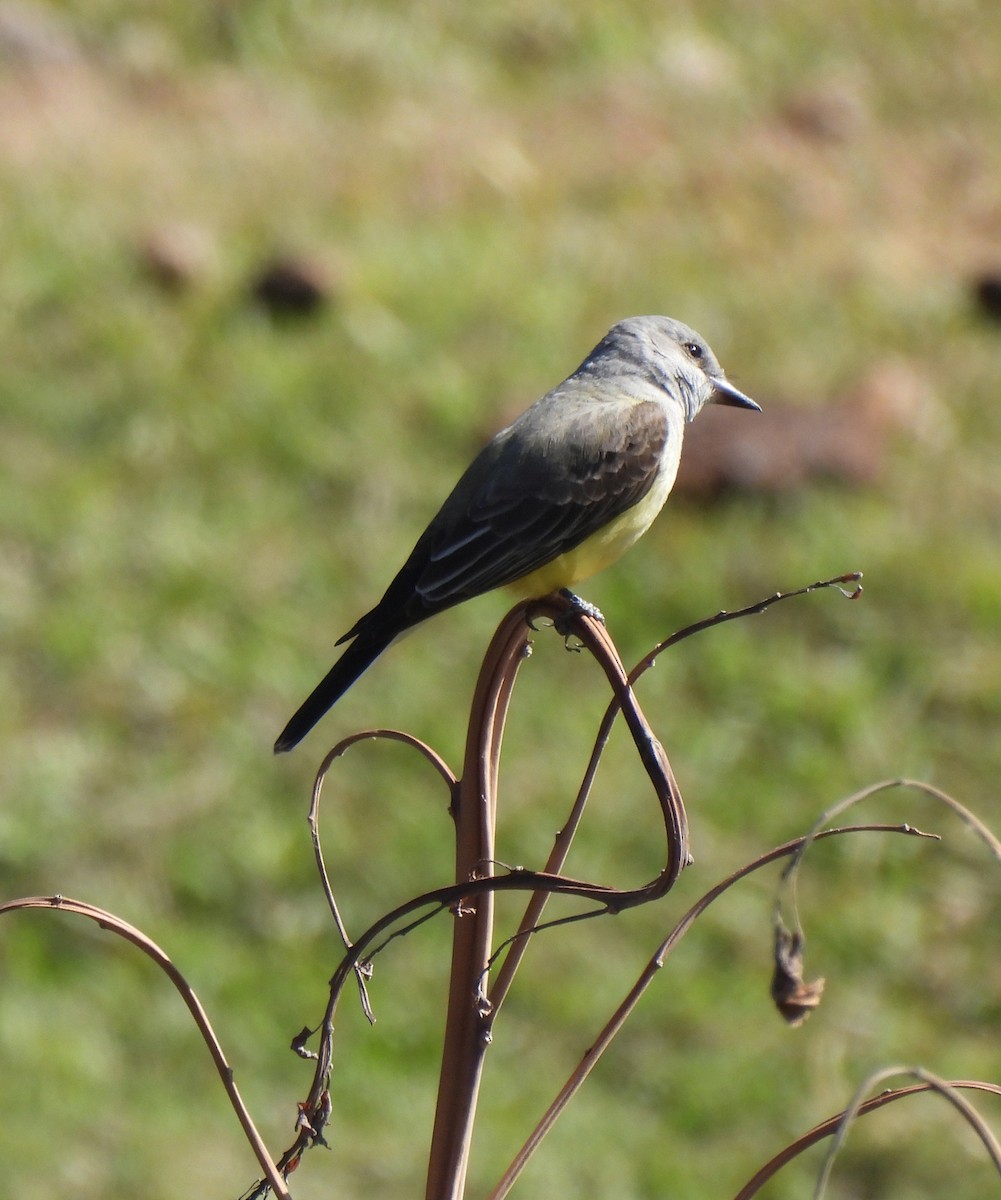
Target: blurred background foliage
271, 273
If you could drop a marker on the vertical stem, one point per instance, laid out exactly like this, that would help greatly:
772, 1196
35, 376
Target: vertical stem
468, 1020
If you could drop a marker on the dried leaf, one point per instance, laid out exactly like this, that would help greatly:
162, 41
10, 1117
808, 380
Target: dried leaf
794, 999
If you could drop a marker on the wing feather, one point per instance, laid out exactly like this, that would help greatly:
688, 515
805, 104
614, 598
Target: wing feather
538, 509
520, 505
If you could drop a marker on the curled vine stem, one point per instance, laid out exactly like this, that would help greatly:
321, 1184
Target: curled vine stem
787, 897
594, 637
329, 759
933, 1083
130, 933
831, 1125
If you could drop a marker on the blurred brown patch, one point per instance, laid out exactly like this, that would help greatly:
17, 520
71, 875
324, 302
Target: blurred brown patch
177, 256
827, 113
292, 287
783, 448
987, 294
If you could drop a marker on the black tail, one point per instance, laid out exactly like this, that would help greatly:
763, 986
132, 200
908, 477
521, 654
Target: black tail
357, 658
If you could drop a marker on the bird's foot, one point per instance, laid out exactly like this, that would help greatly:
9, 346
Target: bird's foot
578, 607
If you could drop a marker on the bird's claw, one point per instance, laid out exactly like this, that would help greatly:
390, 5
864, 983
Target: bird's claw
578, 608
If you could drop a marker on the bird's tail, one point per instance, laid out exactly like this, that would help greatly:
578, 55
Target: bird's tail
358, 657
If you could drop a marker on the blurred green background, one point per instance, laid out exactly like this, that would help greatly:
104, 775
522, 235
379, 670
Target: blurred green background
198, 496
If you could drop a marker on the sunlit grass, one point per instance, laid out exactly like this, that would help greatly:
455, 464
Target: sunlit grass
196, 501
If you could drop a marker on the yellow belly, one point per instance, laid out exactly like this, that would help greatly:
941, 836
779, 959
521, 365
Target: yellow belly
601, 549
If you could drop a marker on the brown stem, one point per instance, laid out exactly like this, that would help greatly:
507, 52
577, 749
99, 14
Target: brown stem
468, 1019
833, 1124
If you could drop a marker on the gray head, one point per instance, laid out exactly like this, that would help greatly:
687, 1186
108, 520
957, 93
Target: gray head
670, 355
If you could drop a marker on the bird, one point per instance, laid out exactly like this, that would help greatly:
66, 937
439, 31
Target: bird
554, 497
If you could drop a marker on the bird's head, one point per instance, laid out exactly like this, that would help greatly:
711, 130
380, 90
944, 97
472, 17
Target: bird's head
673, 357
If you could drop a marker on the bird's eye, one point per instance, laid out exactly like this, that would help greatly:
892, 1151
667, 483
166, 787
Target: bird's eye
694, 349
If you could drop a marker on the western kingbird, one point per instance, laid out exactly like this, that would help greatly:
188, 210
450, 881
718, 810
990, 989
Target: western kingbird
553, 498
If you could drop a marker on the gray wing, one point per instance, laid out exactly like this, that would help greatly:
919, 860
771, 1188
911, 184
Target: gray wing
517, 508
530, 508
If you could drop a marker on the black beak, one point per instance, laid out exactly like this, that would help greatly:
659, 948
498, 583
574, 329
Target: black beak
725, 393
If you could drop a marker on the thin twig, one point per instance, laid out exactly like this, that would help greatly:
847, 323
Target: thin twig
749, 610
789, 880
833, 1124
314, 827
935, 1084
107, 920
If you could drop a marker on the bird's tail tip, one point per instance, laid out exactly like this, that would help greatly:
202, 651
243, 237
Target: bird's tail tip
359, 655
297, 728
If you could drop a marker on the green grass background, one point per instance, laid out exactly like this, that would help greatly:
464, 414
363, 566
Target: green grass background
195, 501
